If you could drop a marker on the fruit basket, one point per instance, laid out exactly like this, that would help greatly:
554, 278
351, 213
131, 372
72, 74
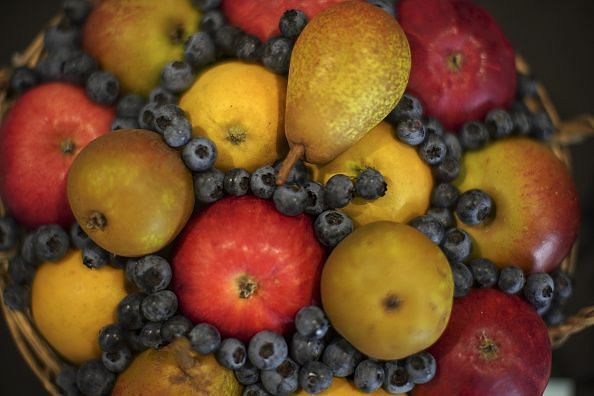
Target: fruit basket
47, 364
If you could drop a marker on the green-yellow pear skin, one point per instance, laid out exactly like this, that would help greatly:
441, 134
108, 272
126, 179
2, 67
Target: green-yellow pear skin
134, 39
176, 370
349, 68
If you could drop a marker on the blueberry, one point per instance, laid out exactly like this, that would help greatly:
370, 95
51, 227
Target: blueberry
134, 341
453, 144
263, 182
129, 106
152, 273
147, 117
444, 195
315, 377
443, 215
20, 271
456, 245
463, 279
433, 150
150, 335
177, 76
205, 338
511, 280
563, 286
178, 133
332, 226
51, 67
396, 378
339, 191
130, 270
103, 87
370, 184
212, 21
28, 248
499, 123
421, 367
111, 338
432, 125
237, 182
162, 96
267, 350
66, 381
299, 174
16, 297
474, 207
526, 85
199, 154
341, 357
543, 310
23, 79
78, 237
409, 107
282, 380
255, 390
93, 379
292, 23
447, 170
199, 50
521, 122
175, 327
306, 349
61, 36
248, 374
77, 11
248, 48
386, 5
411, 131
276, 54
208, 185
369, 376
159, 306
117, 361
78, 68
311, 321
539, 289
128, 311
225, 38
94, 256
484, 272
290, 199
473, 135
315, 198
167, 115
231, 354
124, 123
554, 316
542, 127
429, 226
51, 243
207, 5
8, 233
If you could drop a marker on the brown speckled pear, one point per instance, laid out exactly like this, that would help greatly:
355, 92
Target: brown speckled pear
348, 70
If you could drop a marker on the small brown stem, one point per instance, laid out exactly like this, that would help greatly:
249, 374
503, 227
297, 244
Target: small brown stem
296, 152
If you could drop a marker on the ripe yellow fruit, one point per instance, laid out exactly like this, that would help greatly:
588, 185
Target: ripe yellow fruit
343, 387
240, 107
71, 303
388, 290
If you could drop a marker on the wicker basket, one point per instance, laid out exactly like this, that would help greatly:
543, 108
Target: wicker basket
46, 363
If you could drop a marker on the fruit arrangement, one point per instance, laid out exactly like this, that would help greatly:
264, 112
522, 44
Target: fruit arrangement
282, 197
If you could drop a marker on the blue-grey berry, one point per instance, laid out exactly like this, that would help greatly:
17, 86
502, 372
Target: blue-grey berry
276, 54
175, 327
94, 256
205, 338
267, 350
396, 378
484, 272
162, 96
447, 170
430, 226
8, 233
22, 79
473, 135
339, 191
474, 207
208, 185
421, 367
409, 107
78, 68
129, 313
316, 203
16, 297
231, 354
159, 306
237, 182
263, 182
117, 361
177, 76
411, 131
444, 195
152, 273
369, 376
463, 279
20, 271
332, 226
111, 338
370, 184
511, 280
341, 357
248, 48
212, 21
51, 242
129, 106
305, 349
315, 377
199, 50
248, 374
456, 245
433, 150
103, 87
443, 215
453, 144
290, 199
199, 154
93, 379
311, 321
292, 23
150, 335
499, 123
539, 289
282, 380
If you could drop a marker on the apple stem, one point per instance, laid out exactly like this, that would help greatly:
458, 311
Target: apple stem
296, 152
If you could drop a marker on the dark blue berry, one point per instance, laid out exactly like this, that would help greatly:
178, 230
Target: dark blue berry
66, 381
315, 198
299, 174
290, 199
456, 245
78, 68
443, 215
78, 237
473, 135
432, 125
205, 338
429, 226
199, 154
199, 50
276, 54
225, 38
248, 48
111, 338
117, 361
175, 327
447, 170
484, 272
554, 316
51, 67
463, 279
453, 144
128, 311
93, 379
563, 286
499, 123
147, 116
231, 354
61, 36
23, 79
150, 335
28, 249
206, 5
521, 122
370, 184
386, 5
134, 341
526, 85
267, 350
77, 11
152, 273
16, 297
311, 322
282, 380
444, 195
159, 306
208, 185
212, 21
474, 207
248, 374
129, 106
369, 376
315, 377
542, 126
94, 256
124, 123
341, 357
332, 226
542, 310
177, 76
178, 133
162, 96
263, 182
421, 367
411, 131
51, 243
103, 87
511, 280
292, 23
305, 349
20, 271
8, 233
339, 191
409, 107
396, 378
167, 115
539, 289
255, 390
433, 150
130, 269
237, 182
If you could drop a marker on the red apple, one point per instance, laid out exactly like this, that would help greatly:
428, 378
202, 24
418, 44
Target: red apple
495, 344
41, 135
261, 17
462, 64
244, 267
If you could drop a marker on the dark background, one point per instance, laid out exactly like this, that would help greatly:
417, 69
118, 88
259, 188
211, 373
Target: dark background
557, 39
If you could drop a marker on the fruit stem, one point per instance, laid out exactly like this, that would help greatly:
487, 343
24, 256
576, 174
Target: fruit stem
183, 356
97, 221
296, 152
67, 146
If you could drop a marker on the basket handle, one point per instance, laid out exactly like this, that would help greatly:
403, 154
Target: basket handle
575, 131
574, 324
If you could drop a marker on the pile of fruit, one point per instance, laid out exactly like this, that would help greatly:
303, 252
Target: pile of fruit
312, 197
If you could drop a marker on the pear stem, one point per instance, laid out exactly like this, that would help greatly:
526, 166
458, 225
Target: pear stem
296, 152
